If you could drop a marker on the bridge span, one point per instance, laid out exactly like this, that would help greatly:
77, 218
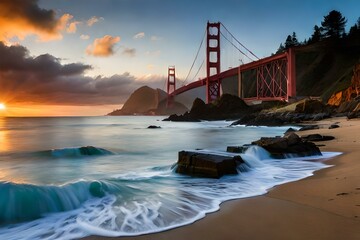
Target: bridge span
274, 77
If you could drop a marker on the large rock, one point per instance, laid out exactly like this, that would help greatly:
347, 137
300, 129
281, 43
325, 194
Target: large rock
206, 165
292, 144
226, 107
310, 106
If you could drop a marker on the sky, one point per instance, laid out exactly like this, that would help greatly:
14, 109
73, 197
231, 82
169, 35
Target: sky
85, 57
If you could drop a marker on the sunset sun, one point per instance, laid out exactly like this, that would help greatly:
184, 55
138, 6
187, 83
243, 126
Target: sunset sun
2, 106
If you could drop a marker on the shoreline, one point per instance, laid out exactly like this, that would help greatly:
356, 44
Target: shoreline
323, 206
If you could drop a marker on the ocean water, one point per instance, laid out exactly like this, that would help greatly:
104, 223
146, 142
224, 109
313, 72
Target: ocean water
52, 186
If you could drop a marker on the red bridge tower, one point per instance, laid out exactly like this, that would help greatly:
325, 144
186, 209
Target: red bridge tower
171, 85
212, 61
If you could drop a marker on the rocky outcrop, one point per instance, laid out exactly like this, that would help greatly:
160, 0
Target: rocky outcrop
292, 144
148, 101
206, 165
350, 93
227, 107
310, 106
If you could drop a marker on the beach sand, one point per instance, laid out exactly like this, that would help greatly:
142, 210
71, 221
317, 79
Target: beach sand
324, 206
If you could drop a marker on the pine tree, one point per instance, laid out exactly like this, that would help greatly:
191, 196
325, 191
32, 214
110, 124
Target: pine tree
316, 36
281, 48
334, 24
295, 42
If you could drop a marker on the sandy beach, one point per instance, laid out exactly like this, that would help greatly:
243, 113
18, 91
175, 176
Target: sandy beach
324, 206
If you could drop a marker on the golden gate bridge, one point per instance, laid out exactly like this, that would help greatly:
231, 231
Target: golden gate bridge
274, 77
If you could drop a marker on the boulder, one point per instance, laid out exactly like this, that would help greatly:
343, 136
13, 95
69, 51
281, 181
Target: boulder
280, 147
207, 165
317, 138
332, 126
236, 149
310, 106
153, 127
309, 127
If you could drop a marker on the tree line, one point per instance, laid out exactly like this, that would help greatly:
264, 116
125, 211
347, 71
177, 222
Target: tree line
332, 27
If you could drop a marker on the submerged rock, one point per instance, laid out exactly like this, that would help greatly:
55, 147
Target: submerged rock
153, 127
280, 147
207, 165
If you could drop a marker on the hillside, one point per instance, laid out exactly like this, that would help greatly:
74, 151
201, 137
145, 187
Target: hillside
148, 101
326, 67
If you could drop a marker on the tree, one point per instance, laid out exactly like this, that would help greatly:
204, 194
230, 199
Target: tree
294, 39
281, 48
334, 24
355, 30
291, 41
316, 36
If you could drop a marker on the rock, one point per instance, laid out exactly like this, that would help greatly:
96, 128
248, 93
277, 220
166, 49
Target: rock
320, 116
181, 118
236, 149
332, 126
280, 147
289, 131
153, 127
317, 138
227, 107
309, 127
206, 165
310, 106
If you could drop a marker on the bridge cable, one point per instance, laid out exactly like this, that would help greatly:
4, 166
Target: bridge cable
198, 70
236, 47
197, 54
239, 41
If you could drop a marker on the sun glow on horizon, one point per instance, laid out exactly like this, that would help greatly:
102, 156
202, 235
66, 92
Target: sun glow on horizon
2, 106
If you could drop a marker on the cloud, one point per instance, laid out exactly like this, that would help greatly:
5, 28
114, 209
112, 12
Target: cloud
20, 18
84, 37
102, 47
150, 66
72, 28
45, 80
130, 52
93, 20
155, 38
139, 35
153, 53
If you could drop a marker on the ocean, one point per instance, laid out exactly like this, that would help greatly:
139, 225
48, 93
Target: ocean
53, 186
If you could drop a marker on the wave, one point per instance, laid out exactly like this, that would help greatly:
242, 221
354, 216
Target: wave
73, 152
141, 202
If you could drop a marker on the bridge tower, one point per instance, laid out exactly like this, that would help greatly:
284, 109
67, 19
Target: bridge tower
171, 85
212, 61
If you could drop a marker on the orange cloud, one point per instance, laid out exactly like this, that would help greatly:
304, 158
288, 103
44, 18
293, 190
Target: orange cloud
102, 47
22, 18
72, 28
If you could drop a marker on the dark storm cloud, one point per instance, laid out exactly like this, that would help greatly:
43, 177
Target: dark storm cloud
30, 12
44, 80
20, 18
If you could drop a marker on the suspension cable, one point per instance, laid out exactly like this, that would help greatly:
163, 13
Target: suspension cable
197, 54
239, 41
236, 47
198, 71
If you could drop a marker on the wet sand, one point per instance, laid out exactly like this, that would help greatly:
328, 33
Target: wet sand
324, 206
